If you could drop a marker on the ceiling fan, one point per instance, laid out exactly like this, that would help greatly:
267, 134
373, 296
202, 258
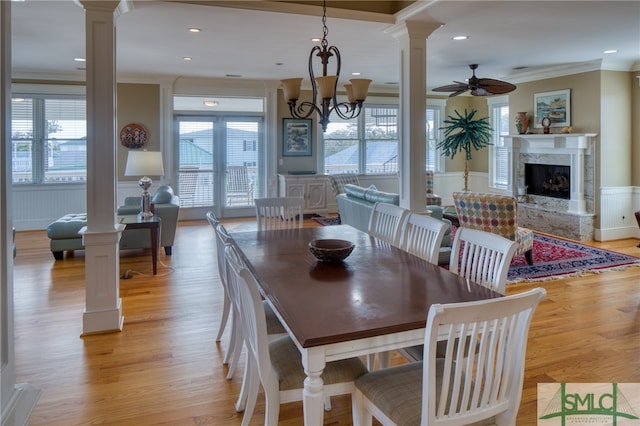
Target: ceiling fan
478, 86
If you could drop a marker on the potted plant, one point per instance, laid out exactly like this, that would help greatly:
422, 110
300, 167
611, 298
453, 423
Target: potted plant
463, 133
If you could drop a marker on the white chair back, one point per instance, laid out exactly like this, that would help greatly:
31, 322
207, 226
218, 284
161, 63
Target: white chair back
482, 378
422, 236
386, 222
482, 257
234, 349
222, 273
477, 380
279, 213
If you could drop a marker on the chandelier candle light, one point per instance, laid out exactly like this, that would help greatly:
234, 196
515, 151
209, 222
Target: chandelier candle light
143, 163
325, 86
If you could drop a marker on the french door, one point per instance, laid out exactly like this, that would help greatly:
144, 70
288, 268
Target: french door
219, 163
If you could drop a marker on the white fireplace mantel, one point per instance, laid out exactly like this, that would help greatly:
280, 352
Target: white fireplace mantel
573, 144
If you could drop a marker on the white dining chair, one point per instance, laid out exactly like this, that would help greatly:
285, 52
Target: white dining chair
422, 236
277, 363
481, 257
279, 212
234, 349
386, 221
479, 382
222, 273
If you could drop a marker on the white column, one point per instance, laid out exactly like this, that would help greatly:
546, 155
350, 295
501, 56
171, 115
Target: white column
16, 400
103, 311
413, 103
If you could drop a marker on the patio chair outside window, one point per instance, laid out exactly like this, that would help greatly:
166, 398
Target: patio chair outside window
239, 188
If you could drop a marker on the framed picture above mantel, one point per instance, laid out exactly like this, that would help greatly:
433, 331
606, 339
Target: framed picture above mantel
555, 105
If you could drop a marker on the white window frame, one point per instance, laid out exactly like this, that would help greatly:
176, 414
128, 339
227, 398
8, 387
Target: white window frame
439, 105
49, 91
498, 181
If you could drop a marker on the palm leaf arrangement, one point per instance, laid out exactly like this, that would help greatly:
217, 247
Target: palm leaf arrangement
464, 134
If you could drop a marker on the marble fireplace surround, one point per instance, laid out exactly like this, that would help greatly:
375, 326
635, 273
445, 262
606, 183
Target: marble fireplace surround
574, 150
572, 218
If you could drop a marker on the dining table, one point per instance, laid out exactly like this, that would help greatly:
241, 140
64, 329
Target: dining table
375, 300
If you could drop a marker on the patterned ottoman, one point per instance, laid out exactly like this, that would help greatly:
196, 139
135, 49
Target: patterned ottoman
63, 234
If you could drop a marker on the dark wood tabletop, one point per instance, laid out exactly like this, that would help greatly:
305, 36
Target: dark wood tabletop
378, 289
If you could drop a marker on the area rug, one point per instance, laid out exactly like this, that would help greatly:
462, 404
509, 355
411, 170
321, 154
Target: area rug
555, 258
327, 221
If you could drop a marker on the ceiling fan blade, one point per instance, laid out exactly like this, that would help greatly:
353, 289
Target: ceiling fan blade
452, 88
495, 87
458, 92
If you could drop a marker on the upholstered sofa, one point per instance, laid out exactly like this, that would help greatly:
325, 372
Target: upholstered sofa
356, 203
63, 233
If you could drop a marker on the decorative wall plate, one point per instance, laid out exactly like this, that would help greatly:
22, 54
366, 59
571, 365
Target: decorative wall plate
133, 136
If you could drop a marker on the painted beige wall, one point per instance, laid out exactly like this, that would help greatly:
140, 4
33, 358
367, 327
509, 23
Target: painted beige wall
635, 128
585, 100
140, 104
615, 140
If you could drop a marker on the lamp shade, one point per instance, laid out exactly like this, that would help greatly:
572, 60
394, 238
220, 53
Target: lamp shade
360, 88
144, 163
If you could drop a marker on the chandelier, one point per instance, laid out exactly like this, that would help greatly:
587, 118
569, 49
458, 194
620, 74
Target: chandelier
325, 86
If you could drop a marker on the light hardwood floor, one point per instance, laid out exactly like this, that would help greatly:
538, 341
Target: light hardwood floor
164, 368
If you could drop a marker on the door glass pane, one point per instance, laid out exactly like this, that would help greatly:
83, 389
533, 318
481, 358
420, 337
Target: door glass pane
242, 180
195, 163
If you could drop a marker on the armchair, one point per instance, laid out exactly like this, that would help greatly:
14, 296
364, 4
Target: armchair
166, 207
494, 213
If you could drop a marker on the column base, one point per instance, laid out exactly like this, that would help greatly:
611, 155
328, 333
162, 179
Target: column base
21, 404
107, 321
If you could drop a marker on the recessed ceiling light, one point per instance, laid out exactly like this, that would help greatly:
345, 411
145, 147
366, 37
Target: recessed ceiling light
315, 39
355, 73
80, 59
187, 58
194, 30
459, 37
610, 51
210, 103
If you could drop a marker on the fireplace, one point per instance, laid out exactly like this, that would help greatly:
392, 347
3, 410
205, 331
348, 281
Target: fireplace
549, 180
573, 151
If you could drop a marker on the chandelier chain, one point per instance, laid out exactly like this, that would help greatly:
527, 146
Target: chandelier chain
325, 30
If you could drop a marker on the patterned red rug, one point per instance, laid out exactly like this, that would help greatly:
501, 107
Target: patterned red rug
553, 258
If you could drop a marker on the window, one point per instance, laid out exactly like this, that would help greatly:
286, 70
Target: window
367, 144
48, 139
498, 154
435, 108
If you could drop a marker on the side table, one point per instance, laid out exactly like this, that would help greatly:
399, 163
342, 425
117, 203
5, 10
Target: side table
152, 224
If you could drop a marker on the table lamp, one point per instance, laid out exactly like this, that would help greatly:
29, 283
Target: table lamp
144, 163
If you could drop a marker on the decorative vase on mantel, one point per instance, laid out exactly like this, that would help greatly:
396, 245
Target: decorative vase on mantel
522, 122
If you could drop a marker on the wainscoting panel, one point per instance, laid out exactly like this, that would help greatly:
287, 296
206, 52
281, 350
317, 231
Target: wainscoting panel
35, 207
617, 221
